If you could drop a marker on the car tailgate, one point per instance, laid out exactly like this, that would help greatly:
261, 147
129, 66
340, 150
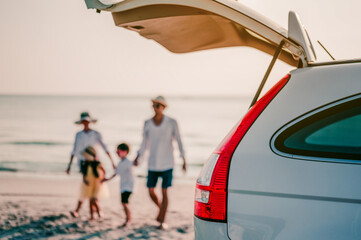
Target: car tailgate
184, 26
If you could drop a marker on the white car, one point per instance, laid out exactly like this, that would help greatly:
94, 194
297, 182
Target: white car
291, 168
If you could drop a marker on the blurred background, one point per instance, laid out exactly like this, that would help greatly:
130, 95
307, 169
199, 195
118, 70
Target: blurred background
58, 59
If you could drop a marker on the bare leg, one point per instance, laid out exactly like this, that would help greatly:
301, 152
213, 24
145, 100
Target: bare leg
91, 205
127, 214
164, 206
154, 198
75, 213
96, 206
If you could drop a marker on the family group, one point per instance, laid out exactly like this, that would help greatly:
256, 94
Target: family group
159, 132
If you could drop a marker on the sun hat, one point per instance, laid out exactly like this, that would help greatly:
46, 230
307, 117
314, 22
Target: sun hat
84, 116
91, 151
160, 100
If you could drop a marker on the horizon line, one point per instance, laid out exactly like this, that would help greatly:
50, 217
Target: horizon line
126, 95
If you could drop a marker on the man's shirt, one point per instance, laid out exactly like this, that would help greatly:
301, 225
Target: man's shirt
158, 140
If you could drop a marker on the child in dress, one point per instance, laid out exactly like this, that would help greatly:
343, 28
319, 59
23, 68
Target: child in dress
92, 186
125, 171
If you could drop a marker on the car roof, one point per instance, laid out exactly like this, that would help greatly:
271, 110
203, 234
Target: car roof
336, 62
184, 26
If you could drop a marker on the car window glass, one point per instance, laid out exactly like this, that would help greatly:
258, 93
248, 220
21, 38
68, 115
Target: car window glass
344, 133
331, 133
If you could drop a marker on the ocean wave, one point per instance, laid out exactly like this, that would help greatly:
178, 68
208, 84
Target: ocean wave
5, 169
42, 143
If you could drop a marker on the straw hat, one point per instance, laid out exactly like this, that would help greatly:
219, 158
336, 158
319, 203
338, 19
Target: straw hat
160, 100
84, 116
91, 151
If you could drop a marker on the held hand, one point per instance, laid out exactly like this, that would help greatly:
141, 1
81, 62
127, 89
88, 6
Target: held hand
184, 166
136, 161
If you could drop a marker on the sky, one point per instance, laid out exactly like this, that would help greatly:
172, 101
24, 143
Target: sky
59, 47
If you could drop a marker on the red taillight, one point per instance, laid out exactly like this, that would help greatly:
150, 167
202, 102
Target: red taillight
211, 189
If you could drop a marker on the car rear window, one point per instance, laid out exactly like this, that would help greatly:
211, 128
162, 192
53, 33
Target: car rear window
333, 132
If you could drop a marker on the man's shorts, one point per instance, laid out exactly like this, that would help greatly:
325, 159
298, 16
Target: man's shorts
167, 177
125, 196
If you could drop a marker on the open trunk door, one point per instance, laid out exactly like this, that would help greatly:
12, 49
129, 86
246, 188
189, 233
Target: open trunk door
184, 26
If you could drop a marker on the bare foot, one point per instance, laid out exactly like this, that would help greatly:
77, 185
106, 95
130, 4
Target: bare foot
74, 214
163, 226
126, 224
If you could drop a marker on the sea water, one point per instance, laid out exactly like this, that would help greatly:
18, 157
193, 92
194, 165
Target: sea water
37, 132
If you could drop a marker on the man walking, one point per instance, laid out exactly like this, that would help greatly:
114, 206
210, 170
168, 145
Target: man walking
158, 135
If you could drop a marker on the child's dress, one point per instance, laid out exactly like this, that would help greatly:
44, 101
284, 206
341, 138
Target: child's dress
93, 174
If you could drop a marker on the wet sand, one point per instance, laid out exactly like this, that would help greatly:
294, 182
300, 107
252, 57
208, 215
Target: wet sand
38, 208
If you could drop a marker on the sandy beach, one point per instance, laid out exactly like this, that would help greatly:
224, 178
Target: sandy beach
37, 207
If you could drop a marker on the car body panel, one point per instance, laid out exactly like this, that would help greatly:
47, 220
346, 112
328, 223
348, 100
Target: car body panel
209, 230
283, 218
268, 192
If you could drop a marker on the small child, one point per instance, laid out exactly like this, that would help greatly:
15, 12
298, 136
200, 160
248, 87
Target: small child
125, 171
92, 186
